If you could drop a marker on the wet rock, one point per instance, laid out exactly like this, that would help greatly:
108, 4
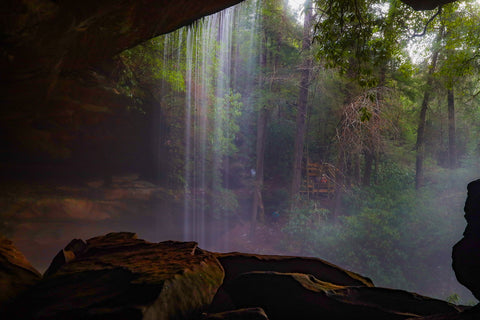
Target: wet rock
239, 314
118, 276
237, 263
294, 296
16, 273
466, 252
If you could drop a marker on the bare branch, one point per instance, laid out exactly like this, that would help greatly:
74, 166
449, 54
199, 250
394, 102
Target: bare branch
428, 22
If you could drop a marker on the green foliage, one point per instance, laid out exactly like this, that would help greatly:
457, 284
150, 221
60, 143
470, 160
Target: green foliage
389, 232
356, 37
459, 49
454, 298
303, 225
152, 62
225, 117
365, 114
278, 161
224, 203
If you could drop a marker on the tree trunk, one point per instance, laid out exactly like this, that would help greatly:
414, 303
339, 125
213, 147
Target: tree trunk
302, 102
339, 183
356, 168
257, 202
452, 152
420, 142
371, 152
367, 173
258, 179
420, 145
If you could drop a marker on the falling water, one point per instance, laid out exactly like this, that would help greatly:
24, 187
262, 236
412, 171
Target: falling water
213, 97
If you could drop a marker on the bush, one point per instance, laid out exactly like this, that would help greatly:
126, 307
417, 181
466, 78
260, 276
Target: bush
399, 237
224, 203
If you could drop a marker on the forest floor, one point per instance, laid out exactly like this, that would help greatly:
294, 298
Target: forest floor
268, 238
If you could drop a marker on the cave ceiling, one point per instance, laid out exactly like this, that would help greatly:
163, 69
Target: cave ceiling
40, 37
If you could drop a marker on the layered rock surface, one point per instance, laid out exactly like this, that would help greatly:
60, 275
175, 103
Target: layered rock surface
16, 273
291, 295
236, 263
117, 276
41, 218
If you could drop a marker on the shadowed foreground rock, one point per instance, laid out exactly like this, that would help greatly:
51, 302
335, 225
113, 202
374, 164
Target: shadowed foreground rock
468, 314
16, 273
118, 276
294, 295
236, 263
466, 253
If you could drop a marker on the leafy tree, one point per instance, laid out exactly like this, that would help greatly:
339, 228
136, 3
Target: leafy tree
302, 100
279, 50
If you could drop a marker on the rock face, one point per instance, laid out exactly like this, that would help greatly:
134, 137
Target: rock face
118, 276
59, 101
295, 295
41, 219
71, 35
238, 263
16, 273
426, 4
466, 252
73, 250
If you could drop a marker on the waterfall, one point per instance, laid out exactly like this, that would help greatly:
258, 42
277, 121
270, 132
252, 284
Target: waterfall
218, 49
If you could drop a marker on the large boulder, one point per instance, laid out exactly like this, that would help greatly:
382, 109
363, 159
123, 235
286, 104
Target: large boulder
236, 263
16, 273
118, 276
466, 252
294, 296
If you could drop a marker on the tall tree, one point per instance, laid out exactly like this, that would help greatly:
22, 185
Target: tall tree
302, 100
257, 203
420, 144
452, 153
460, 59
275, 61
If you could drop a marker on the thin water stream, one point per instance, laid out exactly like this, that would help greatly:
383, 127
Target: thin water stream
220, 66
